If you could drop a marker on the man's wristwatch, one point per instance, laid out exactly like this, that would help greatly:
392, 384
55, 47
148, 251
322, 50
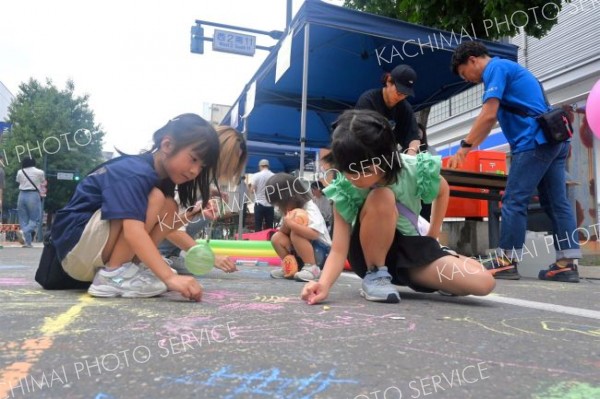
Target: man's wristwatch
464, 144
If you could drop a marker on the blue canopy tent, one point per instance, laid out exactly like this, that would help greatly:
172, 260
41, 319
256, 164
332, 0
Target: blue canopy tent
336, 54
282, 158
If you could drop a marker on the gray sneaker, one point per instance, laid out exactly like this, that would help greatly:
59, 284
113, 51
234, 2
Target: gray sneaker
308, 273
278, 273
128, 281
377, 286
177, 263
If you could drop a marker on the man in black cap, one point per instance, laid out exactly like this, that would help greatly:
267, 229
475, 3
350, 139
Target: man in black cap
389, 102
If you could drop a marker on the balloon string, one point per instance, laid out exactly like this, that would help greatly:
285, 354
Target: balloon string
209, 231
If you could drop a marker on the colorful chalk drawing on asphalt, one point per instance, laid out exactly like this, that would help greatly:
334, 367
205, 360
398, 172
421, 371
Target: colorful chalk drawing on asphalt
555, 328
569, 390
270, 383
13, 267
307, 318
23, 293
14, 281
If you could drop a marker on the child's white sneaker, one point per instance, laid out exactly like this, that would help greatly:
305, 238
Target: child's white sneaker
127, 281
278, 273
308, 273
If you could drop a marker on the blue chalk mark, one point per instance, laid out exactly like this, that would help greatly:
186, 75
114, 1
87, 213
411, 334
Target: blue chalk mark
102, 395
13, 267
269, 383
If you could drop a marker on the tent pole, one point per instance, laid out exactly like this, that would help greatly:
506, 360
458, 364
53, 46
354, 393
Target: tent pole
304, 98
288, 16
242, 187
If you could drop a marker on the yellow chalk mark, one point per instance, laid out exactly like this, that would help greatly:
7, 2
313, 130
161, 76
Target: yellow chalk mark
591, 333
504, 322
272, 299
477, 323
32, 349
54, 325
19, 293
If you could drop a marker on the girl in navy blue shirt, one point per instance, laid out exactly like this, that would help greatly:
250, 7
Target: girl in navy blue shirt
124, 208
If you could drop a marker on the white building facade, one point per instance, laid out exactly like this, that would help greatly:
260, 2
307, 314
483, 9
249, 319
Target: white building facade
567, 63
6, 98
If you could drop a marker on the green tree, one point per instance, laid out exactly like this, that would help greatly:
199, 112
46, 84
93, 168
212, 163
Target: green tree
57, 129
489, 19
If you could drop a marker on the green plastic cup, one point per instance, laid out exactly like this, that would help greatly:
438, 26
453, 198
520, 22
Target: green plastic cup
200, 259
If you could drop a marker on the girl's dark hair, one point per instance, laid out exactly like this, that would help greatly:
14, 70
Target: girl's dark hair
27, 162
185, 130
286, 191
364, 136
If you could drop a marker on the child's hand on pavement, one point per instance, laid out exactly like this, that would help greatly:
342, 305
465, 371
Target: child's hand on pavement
187, 286
225, 263
314, 292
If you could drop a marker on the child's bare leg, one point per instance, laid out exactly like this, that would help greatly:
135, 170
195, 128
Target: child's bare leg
117, 250
459, 276
159, 231
378, 226
303, 247
281, 243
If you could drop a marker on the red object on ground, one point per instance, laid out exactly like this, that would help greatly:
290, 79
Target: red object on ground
347, 265
476, 161
263, 235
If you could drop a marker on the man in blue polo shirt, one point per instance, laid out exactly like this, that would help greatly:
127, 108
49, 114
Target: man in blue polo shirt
535, 163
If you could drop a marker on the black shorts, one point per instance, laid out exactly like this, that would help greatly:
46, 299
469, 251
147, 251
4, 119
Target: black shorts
406, 252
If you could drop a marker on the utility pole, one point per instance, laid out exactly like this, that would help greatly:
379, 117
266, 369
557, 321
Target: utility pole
238, 44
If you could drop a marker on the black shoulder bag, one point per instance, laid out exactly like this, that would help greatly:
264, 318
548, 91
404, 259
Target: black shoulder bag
555, 123
32, 183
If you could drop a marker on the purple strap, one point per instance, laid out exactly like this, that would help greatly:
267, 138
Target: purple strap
407, 213
404, 211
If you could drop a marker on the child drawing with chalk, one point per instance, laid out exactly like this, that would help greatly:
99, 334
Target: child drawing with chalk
121, 210
377, 197
230, 167
302, 239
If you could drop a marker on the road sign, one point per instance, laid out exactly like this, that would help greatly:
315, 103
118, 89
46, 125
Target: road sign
232, 42
64, 176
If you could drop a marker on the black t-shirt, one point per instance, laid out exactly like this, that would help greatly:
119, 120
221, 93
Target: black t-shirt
401, 116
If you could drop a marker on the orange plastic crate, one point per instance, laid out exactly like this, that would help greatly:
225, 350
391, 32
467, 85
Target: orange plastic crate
476, 161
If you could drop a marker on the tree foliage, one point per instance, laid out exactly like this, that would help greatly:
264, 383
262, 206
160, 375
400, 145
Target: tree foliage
57, 129
489, 19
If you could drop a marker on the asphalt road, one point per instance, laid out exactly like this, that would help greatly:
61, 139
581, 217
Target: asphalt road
252, 337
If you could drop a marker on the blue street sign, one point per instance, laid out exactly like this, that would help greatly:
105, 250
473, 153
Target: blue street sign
232, 42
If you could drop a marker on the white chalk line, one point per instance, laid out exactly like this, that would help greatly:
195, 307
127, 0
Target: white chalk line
549, 307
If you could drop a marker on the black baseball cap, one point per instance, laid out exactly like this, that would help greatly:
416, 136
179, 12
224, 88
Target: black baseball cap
404, 78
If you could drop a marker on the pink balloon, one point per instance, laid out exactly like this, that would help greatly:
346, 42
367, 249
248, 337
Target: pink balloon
592, 109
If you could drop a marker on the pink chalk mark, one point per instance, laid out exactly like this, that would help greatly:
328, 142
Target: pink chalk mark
258, 306
14, 281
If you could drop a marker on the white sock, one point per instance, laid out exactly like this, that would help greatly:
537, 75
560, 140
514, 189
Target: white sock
112, 272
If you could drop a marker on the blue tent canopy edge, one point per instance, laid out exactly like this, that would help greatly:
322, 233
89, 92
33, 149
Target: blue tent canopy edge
347, 53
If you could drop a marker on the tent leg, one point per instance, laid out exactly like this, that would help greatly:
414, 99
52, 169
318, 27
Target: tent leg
304, 98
